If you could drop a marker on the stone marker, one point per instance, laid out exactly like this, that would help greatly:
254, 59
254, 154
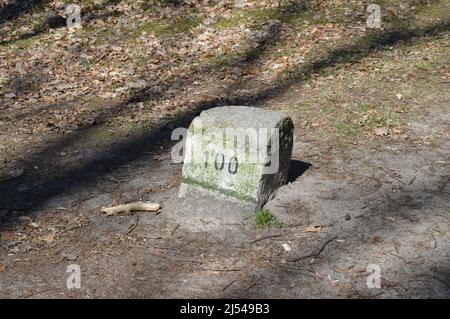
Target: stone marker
237, 153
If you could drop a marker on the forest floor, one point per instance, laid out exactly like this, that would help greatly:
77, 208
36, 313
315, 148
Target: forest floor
85, 122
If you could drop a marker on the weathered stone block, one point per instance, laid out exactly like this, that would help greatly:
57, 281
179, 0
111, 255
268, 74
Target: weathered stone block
239, 153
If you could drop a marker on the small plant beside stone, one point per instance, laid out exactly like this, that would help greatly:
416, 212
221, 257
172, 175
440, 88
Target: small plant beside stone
264, 218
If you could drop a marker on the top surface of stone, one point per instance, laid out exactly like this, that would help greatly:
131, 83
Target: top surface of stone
241, 116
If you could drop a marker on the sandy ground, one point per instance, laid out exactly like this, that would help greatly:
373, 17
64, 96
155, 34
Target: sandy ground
378, 203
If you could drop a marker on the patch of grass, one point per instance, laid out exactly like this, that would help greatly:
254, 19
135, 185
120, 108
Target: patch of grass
221, 61
310, 16
351, 115
116, 35
228, 60
234, 21
86, 3
438, 9
151, 27
252, 54
21, 44
162, 30
103, 37
344, 129
259, 16
385, 118
351, 121
245, 16
264, 218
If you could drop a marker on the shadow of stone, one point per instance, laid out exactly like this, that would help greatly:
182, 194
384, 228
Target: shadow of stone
297, 169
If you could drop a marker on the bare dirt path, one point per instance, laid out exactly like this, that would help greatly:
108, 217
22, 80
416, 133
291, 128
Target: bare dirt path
395, 216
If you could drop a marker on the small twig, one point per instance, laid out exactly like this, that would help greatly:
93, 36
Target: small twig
379, 182
435, 241
179, 259
411, 219
38, 292
248, 287
115, 180
232, 282
298, 270
392, 175
76, 227
315, 254
151, 237
133, 226
377, 295
108, 191
137, 246
173, 247
399, 257
398, 179
266, 237
82, 200
444, 183
375, 179
221, 270
174, 229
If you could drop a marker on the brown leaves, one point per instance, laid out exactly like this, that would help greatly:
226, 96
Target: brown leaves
381, 131
48, 237
7, 236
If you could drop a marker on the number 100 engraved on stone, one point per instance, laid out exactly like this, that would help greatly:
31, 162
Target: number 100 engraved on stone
238, 152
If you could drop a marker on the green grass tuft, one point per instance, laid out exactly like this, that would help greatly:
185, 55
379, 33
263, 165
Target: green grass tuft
175, 27
264, 218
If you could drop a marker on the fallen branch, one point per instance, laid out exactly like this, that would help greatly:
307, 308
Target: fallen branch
132, 207
263, 238
179, 259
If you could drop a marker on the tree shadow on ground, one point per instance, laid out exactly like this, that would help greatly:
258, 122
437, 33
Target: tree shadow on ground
145, 94
87, 16
15, 9
324, 253
52, 179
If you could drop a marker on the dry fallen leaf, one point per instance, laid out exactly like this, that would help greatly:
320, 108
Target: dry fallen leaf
49, 237
381, 131
2, 268
34, 225
7, 236
377, 239
313, 229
